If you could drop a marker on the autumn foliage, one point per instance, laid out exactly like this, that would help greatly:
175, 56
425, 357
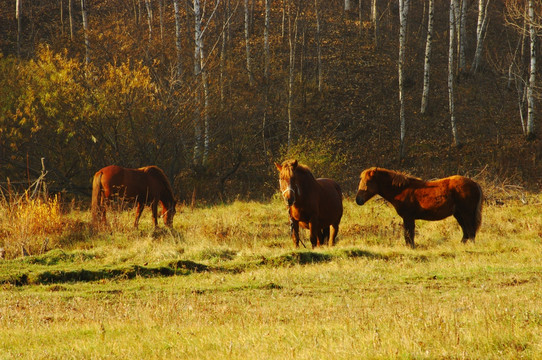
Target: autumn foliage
136, 104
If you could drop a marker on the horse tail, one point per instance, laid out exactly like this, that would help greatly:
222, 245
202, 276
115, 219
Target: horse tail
96, 196
478, 211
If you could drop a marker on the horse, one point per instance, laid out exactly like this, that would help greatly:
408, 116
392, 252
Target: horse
315, 204
147, 186
414, 198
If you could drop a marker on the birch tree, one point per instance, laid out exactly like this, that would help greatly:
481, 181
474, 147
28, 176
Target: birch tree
197, 158
292, 41
85, 31
403, 13
18, 15
374, 20
148, 5
70, 15
347, 5
427, 61
318, 45
462, 34
178, 44
247, 44
532, 74
481, 25
453, 4
266, 68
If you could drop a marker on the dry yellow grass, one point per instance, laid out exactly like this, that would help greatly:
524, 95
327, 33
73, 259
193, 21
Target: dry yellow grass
369, 297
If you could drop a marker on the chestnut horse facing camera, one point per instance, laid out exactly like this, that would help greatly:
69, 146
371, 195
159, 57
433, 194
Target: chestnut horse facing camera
146, 186
414, 198
315, 204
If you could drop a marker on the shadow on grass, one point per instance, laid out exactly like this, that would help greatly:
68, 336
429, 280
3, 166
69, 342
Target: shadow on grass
172, 268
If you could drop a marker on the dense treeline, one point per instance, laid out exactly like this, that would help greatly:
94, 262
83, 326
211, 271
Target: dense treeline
215, 93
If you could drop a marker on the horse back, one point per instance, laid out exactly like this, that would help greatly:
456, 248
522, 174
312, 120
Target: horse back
131, 183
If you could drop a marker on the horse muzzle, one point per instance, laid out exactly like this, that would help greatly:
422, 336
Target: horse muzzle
289, 196
360, 200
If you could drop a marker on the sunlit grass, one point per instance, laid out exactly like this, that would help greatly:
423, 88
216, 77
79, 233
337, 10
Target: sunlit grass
371, 296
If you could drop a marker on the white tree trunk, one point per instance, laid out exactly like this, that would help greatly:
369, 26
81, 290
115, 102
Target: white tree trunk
403, 14
266, 69
374, 20
148, 5
427, 63
318, 46
197, 158
532, 74
206, 112
292, 41
453, 4
482, 19
178, 43
223, 53
70, 14
18, 14
463, 35
247, 44
347, 5
85, 30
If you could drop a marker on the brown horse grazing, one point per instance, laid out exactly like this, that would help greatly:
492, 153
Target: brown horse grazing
315, 204
414, 198
147, 186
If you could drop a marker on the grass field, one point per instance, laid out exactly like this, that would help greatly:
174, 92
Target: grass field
226, 283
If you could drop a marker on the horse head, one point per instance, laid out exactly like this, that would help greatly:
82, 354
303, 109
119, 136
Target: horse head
168, 213
368, 187
287, 181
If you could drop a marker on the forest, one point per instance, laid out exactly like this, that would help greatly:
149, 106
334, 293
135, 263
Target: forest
215, 91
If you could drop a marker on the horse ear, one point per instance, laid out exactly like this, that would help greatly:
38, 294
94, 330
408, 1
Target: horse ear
279, 167
294, 164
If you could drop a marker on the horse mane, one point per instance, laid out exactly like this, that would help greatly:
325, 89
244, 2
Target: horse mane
401, 179
289, 166
159, 173
305, 170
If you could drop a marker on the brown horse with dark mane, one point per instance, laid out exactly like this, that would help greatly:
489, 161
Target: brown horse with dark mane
315, 204
414, 198
146, 186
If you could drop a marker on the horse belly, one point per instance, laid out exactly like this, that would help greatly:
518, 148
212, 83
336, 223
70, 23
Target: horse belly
435, 206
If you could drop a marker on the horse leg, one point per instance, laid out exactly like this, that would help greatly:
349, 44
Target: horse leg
461, 220
154, 208
294, 231
314, 231
139, 210
333, 234
409, 226
325, 235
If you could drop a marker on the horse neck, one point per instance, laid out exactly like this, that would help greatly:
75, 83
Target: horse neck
386, 189
307, 183
166, 199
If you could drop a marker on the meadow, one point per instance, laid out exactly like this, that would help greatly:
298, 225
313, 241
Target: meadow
225, 282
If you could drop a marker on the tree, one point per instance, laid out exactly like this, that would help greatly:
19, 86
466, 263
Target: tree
427, 61
18, 15
482, 21
178, 44
319, 46
403, 14
85, 30
247, 44
532, 74
292, 41
453, 5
